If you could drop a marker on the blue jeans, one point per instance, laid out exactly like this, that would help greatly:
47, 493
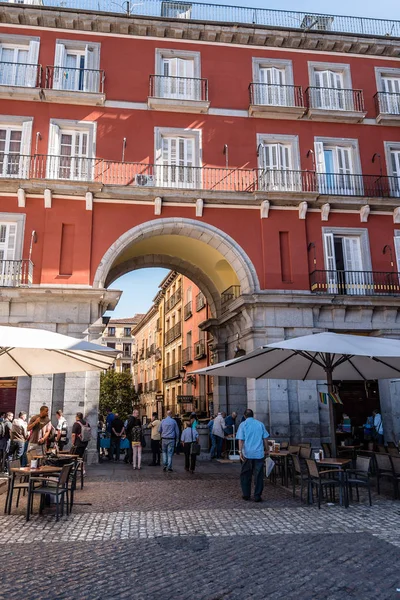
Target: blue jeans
216, 445
168, 447
250, 467
19, 452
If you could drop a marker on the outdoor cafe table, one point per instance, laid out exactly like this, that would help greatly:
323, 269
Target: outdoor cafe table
46, 470
339, 464
285, 455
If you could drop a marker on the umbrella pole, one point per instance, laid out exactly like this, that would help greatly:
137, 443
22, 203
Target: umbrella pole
332, 427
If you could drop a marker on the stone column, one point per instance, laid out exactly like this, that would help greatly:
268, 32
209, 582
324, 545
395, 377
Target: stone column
389, 394
309, 412
41, 393
23, 395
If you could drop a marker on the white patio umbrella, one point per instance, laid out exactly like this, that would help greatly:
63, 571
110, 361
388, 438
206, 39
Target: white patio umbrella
321, 356
26, 351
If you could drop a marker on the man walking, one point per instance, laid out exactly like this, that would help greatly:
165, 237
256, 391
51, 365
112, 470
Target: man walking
217, 436
117, 431
19, 435
170, 436
154, 425
253, 448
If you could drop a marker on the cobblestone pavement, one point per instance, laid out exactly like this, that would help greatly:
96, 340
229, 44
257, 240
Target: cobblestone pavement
148, 534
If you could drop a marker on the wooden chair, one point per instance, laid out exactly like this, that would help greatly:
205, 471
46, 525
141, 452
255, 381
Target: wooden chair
305, 452
293, 449
323, 479
360, 476
327, 450
43, 486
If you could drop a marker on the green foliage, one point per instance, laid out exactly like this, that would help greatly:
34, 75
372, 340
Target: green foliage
117, 392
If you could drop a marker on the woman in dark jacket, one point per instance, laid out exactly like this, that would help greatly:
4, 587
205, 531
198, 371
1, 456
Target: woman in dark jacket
135, 436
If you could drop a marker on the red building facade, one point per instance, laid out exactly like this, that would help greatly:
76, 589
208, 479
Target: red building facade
261, 162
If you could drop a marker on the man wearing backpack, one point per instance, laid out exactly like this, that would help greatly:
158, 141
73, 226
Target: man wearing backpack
81, 435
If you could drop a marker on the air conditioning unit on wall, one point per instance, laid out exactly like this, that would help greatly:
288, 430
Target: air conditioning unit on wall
144, 180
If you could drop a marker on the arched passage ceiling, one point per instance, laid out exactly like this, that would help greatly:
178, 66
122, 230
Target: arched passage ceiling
191, 251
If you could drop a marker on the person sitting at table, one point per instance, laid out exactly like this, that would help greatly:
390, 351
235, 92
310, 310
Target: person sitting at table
40, 428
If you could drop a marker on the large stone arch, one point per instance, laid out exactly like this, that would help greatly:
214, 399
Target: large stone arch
116, 261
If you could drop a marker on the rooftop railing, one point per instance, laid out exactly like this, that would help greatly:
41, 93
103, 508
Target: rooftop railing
196, 11
211, 179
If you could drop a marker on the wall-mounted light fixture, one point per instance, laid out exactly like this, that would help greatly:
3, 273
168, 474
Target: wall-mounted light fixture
260, 145
226, 153
311, 246
374, 158
190, 379
38, 137
312, 154
123, 149
387, 249
238, 350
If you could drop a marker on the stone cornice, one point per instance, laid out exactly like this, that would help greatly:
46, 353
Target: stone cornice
163, 28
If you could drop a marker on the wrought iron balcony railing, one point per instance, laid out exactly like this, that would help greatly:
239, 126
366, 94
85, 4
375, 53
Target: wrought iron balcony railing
200, 301
171, 371
267, 94
335, 99
187, 310
246, 15
20, 74
139, 175
16, 273
173, 334
75, 80
355, 283
178, 88
173, 300
187, 356
387, 103
228, 296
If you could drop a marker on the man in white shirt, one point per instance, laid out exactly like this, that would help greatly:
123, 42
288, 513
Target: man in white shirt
61, 430
218, 435
378, 427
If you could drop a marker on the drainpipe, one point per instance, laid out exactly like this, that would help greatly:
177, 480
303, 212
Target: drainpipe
227, 382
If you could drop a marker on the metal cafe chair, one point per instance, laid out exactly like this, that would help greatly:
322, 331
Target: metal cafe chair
21, 484
324, 479
327, 450
359, 477
384, 468
298, 475
396, 474
44, 486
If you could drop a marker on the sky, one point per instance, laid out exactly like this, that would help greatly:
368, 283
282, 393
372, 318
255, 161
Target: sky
141, 286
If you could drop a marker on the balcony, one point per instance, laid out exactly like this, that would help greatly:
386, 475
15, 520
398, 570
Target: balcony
187, 311
271, 101
139, 389
173, 334
150, 351
66, 85
200, 349
178, 94
200, 301
173, 300
20, 81
332, 104
171, 372
355, 283
187, 356
228, 296
158, 325
16, 273
158, 354
387, 108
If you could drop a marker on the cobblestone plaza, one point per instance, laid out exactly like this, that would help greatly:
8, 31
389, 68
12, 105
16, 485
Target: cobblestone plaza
149, 534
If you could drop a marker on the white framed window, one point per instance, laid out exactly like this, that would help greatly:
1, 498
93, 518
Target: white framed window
15, 146
71, 150
330, 86
178, 75
11, 241
397, 248
279, 162
178, 157
76, 66
19, 61
338, 166
392, 153
347, 261
388, 86
273, 82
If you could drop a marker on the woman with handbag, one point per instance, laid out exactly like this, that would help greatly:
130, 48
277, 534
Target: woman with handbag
191, 447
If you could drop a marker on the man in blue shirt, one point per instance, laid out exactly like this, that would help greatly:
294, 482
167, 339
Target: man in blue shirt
253, 448
170, 437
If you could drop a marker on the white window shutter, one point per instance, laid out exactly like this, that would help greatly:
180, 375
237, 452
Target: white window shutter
319, 157
26, 146
91, 81
329, 247
53, 151
32, 69
11, 241
59, 64
352, 254
397, 249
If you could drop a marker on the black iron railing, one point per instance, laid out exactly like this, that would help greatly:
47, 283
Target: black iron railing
187, 310
75, 80
178, 88
228, 296
20, 74
268, 94
172, 371
173, 333
200, 301
16, 273
387, 103
355, 283
246, 15
173, 300
187, 356
335, 99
